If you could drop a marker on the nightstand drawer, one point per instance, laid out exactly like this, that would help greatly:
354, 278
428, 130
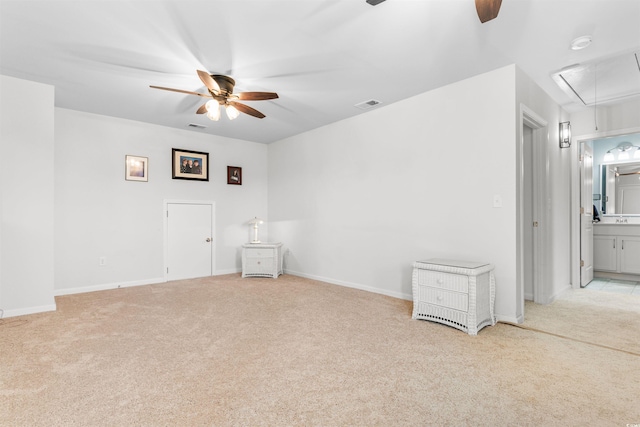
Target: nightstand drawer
259, 253
438, 279
454, 300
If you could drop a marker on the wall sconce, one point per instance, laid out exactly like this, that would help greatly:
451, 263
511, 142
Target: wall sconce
565, 135
254, 222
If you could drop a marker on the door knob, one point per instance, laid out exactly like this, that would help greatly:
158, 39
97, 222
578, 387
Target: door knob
208, 239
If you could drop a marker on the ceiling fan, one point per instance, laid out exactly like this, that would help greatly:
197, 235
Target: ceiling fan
221, 90
487, 9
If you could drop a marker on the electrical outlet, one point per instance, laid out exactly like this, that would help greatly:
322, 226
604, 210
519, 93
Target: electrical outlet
497, 201
102, 260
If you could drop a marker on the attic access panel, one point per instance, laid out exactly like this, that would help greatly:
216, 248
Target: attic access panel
601, 81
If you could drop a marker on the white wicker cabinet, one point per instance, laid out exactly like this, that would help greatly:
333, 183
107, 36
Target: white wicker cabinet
456, 293
262, 260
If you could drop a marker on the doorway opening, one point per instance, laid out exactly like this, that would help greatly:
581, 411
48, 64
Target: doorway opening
532, 224
577, 184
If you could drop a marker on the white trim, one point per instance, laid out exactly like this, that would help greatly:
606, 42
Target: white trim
576, 142
227, 271
398, 295
27, 310
509, 319
107, 286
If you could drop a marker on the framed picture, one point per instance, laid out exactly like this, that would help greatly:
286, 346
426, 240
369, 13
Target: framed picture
192, 165
136, 168
234, 175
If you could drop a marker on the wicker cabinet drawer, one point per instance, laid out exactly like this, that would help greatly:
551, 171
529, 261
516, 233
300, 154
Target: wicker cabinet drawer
435, 296
259, 253
438, 279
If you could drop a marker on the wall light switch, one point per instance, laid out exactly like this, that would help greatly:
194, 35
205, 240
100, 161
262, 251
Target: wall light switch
497, 201
102, 260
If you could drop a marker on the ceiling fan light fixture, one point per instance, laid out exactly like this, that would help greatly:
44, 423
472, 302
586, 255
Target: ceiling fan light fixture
213, 110
232, 112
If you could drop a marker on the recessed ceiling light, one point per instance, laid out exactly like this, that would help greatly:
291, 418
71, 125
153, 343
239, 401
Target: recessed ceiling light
580, 42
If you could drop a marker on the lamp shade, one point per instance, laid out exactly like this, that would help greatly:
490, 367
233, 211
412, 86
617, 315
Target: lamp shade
254, 223
256, 220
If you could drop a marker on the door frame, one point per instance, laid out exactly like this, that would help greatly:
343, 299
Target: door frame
540, 165
576, 183
165, 211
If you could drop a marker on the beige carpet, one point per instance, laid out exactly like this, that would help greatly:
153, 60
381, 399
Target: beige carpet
226, 351
606, 318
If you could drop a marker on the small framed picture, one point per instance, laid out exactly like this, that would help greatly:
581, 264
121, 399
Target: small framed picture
136, 168
193, 165
234, 175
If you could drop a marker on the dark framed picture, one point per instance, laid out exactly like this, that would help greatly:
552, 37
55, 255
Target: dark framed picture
136, 168
186, 164
234, 175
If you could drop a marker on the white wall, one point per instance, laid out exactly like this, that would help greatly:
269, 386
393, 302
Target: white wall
609, 119
26, 197
356, 202
99, 213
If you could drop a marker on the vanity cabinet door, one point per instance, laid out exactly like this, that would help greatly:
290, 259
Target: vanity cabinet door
629, 254
604, 253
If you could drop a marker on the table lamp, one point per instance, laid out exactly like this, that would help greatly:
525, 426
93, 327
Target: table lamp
255, 221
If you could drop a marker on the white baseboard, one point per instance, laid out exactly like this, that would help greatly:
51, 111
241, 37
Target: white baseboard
509, 319
28, 310
228, 271
107, 286
553, 297
398, 295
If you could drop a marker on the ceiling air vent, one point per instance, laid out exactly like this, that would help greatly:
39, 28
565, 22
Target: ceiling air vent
197, 126
368, 104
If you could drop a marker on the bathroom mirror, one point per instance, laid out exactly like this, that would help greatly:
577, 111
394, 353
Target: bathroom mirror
620, 189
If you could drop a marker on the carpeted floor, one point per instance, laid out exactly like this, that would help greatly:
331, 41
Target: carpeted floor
226, 351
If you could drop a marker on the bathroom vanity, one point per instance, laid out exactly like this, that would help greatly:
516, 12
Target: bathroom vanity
616, 246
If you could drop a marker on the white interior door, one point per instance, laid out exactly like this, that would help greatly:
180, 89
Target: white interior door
529, 215
189, 240
586, 216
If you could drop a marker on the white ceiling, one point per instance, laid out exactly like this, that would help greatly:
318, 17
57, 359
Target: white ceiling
321, 56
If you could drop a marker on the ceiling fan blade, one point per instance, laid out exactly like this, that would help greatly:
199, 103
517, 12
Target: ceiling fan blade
487, 9
205, 95
247, 110
256, 96
208, 81
202, 109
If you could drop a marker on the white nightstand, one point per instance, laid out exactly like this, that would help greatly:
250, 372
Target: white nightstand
262, 260
456, 293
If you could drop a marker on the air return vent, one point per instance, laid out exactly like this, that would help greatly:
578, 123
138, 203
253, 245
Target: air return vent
197, 126
368, 104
